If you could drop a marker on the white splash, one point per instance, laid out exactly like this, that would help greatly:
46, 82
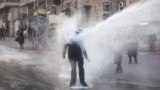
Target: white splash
101, 40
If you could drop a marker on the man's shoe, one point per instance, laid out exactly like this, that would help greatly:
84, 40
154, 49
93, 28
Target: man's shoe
84, 84
72, 84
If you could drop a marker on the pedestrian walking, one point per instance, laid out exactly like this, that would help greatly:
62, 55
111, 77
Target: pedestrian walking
132, 52
2, 32
152, 39
118, 61
76, 52
20, 37
30, 33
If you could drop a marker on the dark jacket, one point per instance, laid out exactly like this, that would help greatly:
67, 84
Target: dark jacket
75, 52
132, 48
20, 36
30, 30
2, 30
117, 58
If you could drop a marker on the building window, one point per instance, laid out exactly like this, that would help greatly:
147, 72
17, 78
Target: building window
67, 4
121, 6
76, 4
67, 8
54, 10
87, 9
130, 1
105, 16
106, 6
57, 2
23, 22
106, 10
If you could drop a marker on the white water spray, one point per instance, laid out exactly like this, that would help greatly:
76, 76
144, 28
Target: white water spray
103, 39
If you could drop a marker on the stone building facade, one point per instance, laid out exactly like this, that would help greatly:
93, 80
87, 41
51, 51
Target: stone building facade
96, 9
16, 12
12, 13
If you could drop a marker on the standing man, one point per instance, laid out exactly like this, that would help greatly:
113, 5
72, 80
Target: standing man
75, 56
20, 36
2, 32
30, 33
132, 52
118, 61
152, 39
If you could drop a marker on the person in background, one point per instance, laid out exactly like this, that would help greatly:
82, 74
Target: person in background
30, 33
152, 40
132, 51
20, 37
2, 32
118, 61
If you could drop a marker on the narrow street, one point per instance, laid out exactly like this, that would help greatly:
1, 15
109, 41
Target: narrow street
142, 76
45, 44
28, 74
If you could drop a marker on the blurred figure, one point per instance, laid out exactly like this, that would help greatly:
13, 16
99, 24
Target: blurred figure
2, 32
118, 61
30, 33
67, 11
75, 56
132, 51
152, 39
20, 37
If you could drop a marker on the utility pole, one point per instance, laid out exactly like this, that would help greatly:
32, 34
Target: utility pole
35, 40
62, 4
47, 24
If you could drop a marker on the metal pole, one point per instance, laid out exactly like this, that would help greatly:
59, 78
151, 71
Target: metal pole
34, 4
34, 8
37, 17
36, 33
47, 17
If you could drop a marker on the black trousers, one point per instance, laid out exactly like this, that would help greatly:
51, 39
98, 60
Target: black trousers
2, 37
119, 68
74, 72
130, 58
30, 36
152, 47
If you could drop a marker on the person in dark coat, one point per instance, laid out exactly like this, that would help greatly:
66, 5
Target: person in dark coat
2, 32
132, 51
20, 37
75, 56
30, 33
152, 39
118, 61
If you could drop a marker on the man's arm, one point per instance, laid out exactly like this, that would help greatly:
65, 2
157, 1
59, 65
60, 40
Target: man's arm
85, 54
64, 50
84, 50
